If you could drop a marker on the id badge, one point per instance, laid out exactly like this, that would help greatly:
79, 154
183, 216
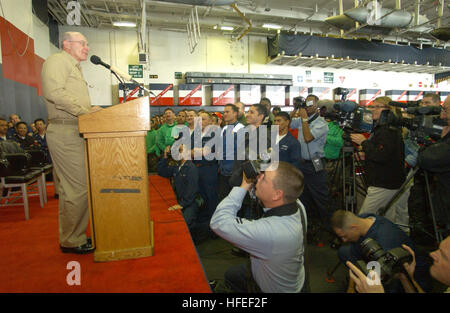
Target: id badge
317, 163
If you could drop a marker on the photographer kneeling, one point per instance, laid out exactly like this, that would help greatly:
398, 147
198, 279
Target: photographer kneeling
440, 270
358, 229
384, 165
275, 242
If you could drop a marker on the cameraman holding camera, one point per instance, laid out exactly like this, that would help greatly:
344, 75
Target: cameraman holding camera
312, 134
357, 229
440, 270
275, 242
384, 165
436, 159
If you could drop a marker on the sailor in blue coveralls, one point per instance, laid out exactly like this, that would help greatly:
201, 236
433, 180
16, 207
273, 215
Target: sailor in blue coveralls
288, 146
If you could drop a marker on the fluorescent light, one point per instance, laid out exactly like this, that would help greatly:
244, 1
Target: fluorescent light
124, 24
226, 27
271, 26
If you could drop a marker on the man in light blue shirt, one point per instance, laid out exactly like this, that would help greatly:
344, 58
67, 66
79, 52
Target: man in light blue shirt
275, 242
312, 135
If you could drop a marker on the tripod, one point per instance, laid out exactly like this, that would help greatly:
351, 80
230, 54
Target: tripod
402, 190
349, 183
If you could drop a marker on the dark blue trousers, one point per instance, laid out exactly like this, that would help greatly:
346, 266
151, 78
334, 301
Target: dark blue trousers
316, 196
207, 187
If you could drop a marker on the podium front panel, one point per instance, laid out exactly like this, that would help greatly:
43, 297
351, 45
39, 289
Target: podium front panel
119, 196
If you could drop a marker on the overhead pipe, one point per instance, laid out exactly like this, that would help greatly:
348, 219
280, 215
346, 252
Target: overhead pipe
245, 19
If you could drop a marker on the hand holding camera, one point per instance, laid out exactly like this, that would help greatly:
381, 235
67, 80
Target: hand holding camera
361, 281
299, 102
247, 182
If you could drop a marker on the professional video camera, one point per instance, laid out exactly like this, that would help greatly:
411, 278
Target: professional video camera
351, 117
425, 121
390, 262
343, 92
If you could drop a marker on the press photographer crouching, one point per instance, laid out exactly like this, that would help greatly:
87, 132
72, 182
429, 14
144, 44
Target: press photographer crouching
436, 160
375, 238
440, 270
275, 242
384, 154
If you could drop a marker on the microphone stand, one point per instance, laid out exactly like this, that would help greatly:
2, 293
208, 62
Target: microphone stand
124, 86
139, 85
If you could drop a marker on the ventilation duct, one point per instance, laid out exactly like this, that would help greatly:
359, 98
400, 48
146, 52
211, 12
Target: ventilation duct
346, 23
386, 17
340, 21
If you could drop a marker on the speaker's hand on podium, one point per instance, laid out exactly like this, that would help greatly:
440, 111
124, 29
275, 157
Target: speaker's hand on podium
175, 207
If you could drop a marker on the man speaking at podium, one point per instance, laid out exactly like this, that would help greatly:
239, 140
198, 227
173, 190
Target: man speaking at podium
66, 96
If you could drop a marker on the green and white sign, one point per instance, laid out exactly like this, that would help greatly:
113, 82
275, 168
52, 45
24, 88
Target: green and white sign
328, 77
136, 70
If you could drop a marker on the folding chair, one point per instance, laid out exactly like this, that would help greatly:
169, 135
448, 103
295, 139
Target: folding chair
16, 173
39, 162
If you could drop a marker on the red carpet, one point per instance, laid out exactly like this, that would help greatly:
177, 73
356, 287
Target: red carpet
30, 259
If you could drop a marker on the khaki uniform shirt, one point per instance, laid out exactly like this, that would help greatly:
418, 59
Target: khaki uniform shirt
65, 91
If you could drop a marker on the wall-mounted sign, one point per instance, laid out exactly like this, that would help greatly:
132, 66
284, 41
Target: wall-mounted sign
178, 75
328, 77
152, 76
136, 70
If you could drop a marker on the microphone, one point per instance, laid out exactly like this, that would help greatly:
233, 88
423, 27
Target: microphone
407, 104
97, 61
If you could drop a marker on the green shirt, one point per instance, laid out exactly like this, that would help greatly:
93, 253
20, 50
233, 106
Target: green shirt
150, 141
334, 141
164, 137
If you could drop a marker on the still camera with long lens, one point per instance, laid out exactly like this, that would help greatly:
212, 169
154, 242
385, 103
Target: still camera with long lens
299, 102
423, 122
390, 262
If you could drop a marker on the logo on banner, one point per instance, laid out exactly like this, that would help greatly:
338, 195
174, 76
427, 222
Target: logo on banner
224, 94
191, 93
162, 93
342, 78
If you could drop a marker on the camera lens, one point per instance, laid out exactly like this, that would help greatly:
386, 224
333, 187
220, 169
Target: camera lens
371, 249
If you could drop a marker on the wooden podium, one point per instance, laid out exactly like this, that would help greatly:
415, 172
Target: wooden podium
116, 165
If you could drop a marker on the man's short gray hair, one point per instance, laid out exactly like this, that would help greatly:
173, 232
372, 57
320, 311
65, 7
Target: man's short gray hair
67, 36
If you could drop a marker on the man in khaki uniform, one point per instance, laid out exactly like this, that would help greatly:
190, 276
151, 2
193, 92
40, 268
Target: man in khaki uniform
66, 96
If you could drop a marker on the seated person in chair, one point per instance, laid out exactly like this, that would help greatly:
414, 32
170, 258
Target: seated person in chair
26, 141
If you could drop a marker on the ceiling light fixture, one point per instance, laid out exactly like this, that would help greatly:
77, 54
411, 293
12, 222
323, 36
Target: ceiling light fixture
124, 24
271, 26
